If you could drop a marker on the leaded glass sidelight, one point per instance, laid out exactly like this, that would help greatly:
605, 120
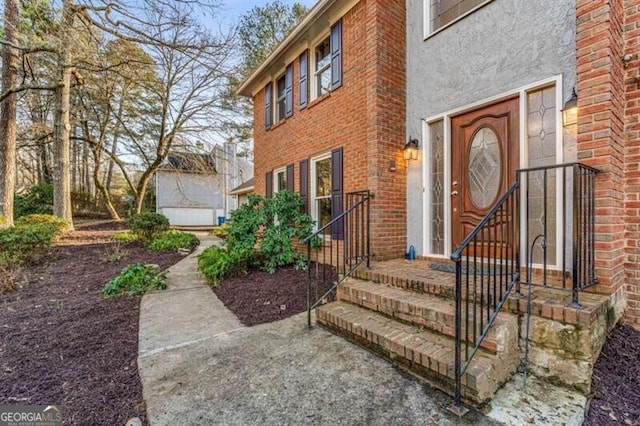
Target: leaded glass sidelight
436, 139
485, 167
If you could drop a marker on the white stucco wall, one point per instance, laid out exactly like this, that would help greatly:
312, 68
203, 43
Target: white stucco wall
501, 47
177, 190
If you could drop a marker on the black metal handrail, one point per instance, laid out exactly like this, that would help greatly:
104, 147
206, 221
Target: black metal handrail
334, 263
491, 252
577, 221
492, 268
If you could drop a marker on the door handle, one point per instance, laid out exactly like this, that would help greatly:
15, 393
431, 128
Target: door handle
454, 193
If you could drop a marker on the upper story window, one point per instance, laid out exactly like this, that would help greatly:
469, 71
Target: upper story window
322, 69
440, 13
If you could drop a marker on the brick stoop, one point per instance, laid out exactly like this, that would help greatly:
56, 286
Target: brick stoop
415, 331
404, 311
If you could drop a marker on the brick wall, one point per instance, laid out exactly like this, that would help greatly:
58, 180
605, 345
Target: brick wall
366, 117
608, 46
632, 158
599, 45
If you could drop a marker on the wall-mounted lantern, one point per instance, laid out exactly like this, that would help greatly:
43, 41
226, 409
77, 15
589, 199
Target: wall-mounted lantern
570, 110
411, 149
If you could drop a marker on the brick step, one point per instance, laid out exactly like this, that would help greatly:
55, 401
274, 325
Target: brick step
428, 311
415, 275
426, 353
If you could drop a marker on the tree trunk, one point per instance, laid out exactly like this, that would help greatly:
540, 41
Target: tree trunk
8, 125
97, 154
114, 147
62, 125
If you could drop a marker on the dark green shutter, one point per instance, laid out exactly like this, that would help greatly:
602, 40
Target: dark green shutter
290, 177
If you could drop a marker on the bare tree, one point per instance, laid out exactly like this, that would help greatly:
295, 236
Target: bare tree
8, 125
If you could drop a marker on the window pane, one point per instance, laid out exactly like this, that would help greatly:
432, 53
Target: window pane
281, 99
446, 11
282, 181
541, 151
323, 54
323, 178
323, 213
436, 139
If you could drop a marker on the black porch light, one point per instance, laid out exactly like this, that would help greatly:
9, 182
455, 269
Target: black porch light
570, 110
411, 149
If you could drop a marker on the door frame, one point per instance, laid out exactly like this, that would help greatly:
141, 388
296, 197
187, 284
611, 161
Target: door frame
521, 93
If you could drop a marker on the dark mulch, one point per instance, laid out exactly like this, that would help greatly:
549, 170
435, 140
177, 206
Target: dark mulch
616, 380
62, 343
260, 297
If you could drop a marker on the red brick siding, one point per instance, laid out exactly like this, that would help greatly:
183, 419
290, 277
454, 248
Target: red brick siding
632, 159
366, 116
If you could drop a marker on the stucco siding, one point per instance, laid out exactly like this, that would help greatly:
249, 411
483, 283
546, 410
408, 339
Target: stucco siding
503, 46
188, 190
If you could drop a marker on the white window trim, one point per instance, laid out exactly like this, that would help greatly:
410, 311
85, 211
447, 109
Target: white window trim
312, 65
276, 103
426, 23
313, 190
426, 178
276, 172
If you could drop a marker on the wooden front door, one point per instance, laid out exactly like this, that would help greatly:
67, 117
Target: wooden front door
484, 155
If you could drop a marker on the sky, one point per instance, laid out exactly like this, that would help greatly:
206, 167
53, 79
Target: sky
236, 8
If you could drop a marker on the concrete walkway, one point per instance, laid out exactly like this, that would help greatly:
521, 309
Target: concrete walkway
200, 366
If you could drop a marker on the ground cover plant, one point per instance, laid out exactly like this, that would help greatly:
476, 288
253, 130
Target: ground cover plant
62, 342
174, 240
135, 280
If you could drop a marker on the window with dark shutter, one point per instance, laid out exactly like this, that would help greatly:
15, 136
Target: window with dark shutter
304, 185
268, 185
288, 81
336, 55
268, 114
290, 177
337, 229
303, 87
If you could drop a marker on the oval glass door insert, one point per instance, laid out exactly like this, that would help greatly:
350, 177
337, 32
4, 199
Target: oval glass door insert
485, 168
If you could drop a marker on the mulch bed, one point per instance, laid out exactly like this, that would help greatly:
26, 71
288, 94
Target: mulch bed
260, 297
62, 343
616, 380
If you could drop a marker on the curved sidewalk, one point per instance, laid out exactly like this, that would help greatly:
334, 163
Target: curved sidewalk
200, 366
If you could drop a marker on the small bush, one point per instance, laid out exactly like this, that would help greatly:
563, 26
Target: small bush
135, 280
220, 231
36, 199
29, 239
215, 263
174, 240
10, 278
124, 237
148, 226
58, 225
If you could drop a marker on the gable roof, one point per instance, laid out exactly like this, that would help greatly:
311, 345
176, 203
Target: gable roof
244, 188
319, 19
190, 162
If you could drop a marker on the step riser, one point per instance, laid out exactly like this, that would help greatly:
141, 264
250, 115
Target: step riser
501, 338
431, 361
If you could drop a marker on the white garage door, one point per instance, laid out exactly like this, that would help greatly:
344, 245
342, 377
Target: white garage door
189, 216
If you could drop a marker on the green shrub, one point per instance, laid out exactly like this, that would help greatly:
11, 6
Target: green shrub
215, 263
36, 199
174, 240
58, 225
135, 280
23, 244
148, 226
220, 231
124, 237
272, 226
